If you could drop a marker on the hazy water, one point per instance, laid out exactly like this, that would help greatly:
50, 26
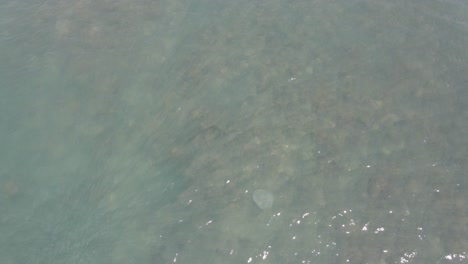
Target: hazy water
137, 131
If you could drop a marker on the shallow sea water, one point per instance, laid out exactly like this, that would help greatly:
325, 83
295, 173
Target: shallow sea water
141, 132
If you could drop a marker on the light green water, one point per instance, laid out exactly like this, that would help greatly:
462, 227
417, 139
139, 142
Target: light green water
137, 131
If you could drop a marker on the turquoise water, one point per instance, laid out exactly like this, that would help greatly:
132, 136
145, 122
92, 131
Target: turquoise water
137, 131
